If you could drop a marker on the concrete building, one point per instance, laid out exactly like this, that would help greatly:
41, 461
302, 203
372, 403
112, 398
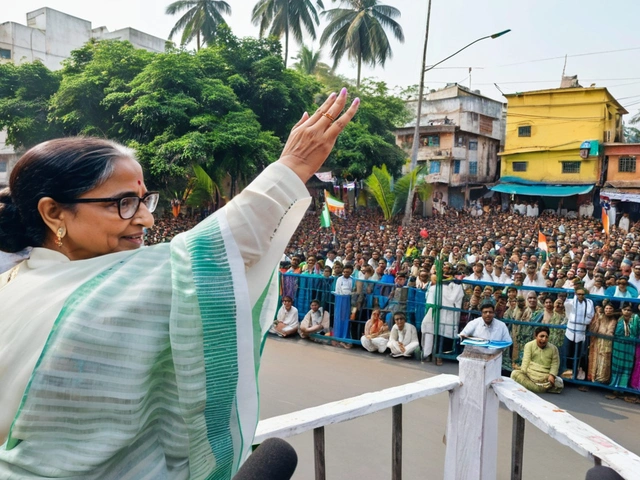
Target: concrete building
621, 186
460, 137
49, 37
553, 146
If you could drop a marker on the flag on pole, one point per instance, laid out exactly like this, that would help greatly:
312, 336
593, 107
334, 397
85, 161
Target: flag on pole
605, 221
542, 241
334, 206
325, 218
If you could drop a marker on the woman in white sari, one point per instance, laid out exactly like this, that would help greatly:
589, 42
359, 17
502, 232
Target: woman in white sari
120, 362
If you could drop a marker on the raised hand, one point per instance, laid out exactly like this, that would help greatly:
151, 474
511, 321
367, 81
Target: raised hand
313, 137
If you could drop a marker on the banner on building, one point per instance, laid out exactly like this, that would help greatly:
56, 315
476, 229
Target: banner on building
325, 176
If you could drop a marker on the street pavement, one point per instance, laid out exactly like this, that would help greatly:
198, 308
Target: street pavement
297, 374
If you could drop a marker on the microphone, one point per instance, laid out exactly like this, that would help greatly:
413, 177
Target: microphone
274, 459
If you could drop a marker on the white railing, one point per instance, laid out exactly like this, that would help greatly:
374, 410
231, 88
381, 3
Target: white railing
316, 418
472, 427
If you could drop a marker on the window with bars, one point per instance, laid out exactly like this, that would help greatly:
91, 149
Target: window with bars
519, 166
627, 164
524, 131
456, 166
473, 145
473, 168
5, 54
434, 166
570, 167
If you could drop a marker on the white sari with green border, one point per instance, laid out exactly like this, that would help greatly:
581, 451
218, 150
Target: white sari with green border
150, 367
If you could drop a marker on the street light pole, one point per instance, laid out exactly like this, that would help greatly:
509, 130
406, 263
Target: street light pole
416, 132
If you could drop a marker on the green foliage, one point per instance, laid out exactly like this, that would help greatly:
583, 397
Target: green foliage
379, 185
285, 17
359, 32
308, 61
392, 196
631, 134
24, 95
201, 20
227, 108
368, 140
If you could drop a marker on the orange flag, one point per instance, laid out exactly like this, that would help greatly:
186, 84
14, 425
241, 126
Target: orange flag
542, 241
605, 221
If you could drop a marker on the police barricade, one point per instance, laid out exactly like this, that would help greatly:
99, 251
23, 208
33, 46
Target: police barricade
349, 313
608, 361
588, 358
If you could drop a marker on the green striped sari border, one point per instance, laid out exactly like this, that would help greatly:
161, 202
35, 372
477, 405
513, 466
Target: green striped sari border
210, 269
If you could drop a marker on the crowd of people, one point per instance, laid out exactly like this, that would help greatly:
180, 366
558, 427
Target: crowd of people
582, 284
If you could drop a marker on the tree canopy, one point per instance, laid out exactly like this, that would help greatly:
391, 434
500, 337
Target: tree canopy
227, 108
201, 20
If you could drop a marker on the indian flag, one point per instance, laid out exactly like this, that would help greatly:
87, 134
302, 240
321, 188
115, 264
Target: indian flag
334, 206
325, 218
542, 241
605, 222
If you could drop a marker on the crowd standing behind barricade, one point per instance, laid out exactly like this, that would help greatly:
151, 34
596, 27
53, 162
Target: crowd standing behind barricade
489, 257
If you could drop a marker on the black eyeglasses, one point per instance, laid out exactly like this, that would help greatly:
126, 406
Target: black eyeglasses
127, 206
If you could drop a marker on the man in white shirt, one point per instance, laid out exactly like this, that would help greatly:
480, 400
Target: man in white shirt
478, 274
486, 327
345, 284
315, 321
286, 322
580, 312
533, 278
634, 278
403, 339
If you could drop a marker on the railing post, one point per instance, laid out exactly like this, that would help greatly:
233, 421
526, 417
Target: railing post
396, 443
517, 446
472, 427
318, 449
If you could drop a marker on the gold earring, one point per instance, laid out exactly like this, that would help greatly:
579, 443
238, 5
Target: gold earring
60, 235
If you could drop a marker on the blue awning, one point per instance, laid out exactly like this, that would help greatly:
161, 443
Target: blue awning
542, 190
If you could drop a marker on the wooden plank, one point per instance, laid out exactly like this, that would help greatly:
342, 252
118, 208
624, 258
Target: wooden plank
318, 453
566, 429
517, 447
396, 443
295, 423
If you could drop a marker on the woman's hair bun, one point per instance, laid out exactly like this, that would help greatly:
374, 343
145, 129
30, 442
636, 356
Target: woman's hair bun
13, 234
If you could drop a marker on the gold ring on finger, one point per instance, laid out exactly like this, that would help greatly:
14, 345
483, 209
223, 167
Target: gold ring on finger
329, 116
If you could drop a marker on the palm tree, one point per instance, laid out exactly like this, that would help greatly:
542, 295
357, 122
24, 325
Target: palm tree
283, 17
308, 60
359, 32
201, 20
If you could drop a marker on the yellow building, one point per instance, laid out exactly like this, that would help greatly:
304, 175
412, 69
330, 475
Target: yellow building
545, 132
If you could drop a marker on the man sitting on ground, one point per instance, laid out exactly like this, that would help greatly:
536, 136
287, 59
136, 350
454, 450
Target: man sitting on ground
286, 322
315, 321
540, 365
404, 338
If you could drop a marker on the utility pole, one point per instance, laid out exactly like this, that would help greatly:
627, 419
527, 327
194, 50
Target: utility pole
416, 132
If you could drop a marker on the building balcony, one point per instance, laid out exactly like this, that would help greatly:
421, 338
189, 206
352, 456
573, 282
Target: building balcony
434, 153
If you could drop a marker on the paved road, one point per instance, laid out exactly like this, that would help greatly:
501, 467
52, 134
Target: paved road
297, 374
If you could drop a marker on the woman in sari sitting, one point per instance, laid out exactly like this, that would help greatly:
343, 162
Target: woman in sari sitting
376, 333
121, 362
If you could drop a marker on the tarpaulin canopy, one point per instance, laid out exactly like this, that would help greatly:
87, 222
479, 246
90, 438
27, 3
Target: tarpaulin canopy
628, 195
542, 190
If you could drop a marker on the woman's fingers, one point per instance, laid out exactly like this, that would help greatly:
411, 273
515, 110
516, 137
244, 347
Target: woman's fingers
305, 117
334, 110
341, 122
323, 108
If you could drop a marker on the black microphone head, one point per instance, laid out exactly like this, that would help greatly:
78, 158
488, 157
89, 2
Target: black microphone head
274, 459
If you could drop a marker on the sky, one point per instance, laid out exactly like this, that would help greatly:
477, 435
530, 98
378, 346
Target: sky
530, 57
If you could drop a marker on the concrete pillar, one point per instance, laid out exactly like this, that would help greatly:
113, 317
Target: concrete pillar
472, 428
